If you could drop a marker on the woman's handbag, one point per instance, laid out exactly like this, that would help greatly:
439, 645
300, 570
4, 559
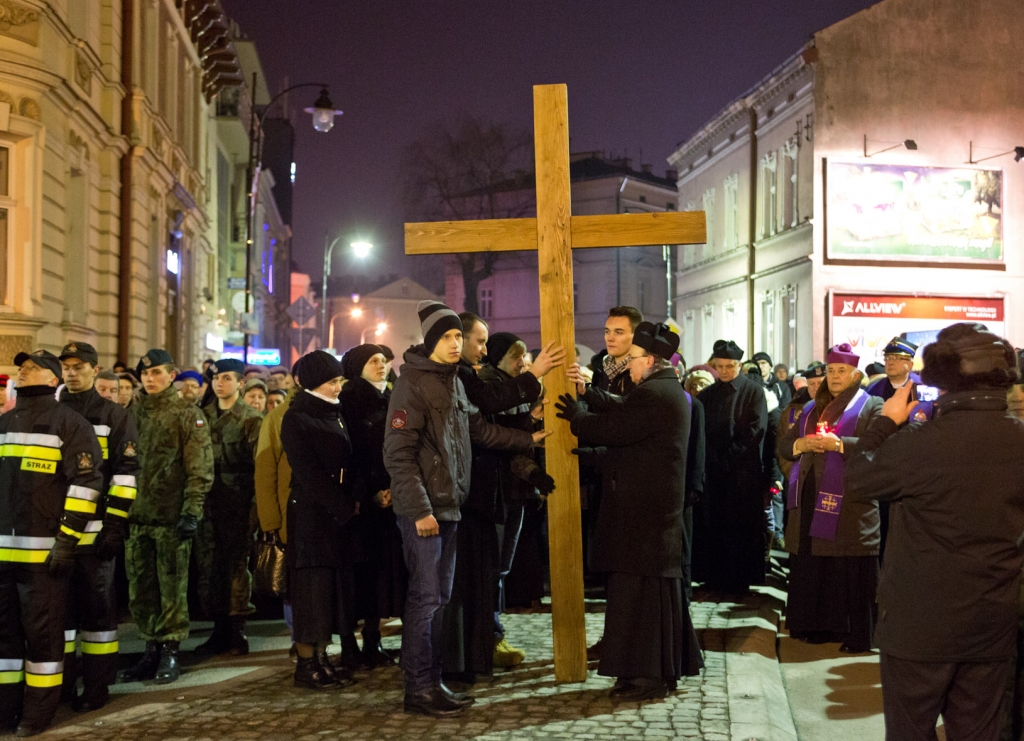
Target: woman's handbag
270, 575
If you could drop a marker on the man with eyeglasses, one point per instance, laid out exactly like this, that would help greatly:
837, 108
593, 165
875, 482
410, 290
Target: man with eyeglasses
736, 418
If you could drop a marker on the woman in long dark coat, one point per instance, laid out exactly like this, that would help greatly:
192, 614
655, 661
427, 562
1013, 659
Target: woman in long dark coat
381, 578
317, 444
833, 540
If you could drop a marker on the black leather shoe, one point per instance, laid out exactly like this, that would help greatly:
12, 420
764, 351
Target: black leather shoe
168, 671
25, 730
433, 703
341, 675
145, 668
637, 693
461, 699
89, 701
311, 675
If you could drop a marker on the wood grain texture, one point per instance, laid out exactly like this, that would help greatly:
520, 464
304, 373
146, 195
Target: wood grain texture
487, 235
554, 263
638, 230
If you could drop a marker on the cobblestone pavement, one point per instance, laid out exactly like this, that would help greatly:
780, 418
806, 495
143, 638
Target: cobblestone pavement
253, 698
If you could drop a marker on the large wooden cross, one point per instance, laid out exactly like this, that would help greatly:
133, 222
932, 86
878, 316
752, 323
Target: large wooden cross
554, 234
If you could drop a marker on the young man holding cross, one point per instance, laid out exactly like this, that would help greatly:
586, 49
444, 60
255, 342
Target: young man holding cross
427, 451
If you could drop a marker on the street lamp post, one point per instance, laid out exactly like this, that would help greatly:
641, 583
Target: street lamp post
323, 121
360, 249
378, 331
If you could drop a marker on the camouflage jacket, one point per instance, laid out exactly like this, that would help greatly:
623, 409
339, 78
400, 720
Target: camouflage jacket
235, 433
176, 459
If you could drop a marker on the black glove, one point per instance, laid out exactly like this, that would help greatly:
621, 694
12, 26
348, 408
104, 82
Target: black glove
110, 539
540, 481
186, 527
62, 556
569, 408
590, 456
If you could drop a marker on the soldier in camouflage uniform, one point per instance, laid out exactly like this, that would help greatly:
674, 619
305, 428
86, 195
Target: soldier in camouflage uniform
225, 534
176, 471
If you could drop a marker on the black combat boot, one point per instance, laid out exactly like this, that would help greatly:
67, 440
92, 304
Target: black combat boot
339, 674
218, 642
146, 666
238, 644
311, 675
373, 653
169, 670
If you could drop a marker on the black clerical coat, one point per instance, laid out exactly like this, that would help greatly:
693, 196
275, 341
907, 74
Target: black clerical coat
735, 421
639, 527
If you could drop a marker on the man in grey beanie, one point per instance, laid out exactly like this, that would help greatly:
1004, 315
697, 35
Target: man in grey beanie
427, 452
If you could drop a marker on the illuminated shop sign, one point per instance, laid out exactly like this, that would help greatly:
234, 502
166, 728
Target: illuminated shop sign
903, 212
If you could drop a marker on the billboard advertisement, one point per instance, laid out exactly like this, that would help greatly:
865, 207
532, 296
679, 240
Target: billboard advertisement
908, 212
869, 321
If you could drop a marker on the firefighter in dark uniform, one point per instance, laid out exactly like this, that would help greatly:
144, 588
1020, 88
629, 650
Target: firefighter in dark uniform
225, 534
49, 490
92, 602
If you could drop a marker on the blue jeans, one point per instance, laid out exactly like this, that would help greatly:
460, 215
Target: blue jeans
431, 564
508, 535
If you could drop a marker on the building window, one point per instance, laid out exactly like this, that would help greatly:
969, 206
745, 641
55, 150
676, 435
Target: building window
729, 320
731, 232
709, 217
789, 194
485, 303
689, 331
787, 327
707, 331
690, 255
769, 199
768, 324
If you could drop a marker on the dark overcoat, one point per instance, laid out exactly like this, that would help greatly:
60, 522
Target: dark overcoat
317, 444
951, 576
639, 528
858, 531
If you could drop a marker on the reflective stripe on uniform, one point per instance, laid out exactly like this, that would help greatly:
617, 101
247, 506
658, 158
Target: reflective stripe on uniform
12, 671
31, 438
44, 674
122, 479
30, 451
79, 505
92, 529
30, 445
123, 492
69, 641
83, 492
73, 533
99, 642
118, 512
24, 549
101, 430
88, 539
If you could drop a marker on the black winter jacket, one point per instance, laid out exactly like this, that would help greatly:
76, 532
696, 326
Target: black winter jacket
493, 398
640, 523
365, 410
427, 443
318, 449
951, 576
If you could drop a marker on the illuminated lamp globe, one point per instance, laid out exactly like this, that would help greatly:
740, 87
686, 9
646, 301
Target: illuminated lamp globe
361, 249
323, 113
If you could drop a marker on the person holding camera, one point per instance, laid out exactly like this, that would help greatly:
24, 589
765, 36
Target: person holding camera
948, 595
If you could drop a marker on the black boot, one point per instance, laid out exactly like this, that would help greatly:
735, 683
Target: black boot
91, 699
351, 658
146, 666
217, 643
339, 674
168, 671
238, 644
311, 675
431, 702
373, 653
461, 699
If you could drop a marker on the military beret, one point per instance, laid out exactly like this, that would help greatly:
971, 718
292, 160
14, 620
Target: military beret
899, 346
727, 350
658, 339
81, 350
154, 357
42, 358
227, 365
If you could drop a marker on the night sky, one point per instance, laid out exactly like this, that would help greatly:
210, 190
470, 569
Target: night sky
642, 75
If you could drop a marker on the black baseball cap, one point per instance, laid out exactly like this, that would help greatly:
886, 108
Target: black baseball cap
81, 350
42, 358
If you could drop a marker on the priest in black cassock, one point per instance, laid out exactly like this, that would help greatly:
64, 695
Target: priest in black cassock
737, 487
640, 442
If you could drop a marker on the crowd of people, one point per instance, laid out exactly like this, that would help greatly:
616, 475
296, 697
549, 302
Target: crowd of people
421, 495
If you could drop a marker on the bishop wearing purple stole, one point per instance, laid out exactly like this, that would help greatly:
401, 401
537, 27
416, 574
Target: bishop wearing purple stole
834, 543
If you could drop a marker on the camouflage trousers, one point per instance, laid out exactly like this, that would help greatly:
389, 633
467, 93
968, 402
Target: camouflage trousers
157, 566
222, 549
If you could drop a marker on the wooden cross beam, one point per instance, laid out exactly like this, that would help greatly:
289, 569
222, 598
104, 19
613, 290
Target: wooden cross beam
554, 234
